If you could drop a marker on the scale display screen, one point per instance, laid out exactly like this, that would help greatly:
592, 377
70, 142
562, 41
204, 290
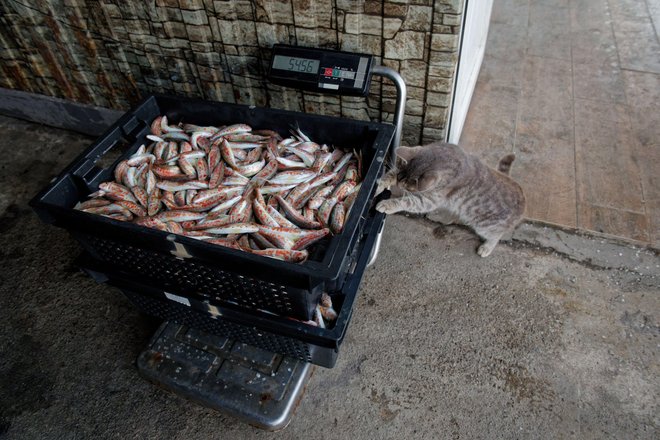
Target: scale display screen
282, 62
321, 70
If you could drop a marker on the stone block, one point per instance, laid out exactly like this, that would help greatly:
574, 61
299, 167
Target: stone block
430, 135
270, 34
321, 108
138, 27
442, 29
418, 18
451, 19
316, 37
238, 32
191, 5
442, 71
392, 64
360, 43
391, 27
208, 73
111, 10
389, 105
195, 17
443, 58
312, 14
410, 135
437, 84
362, 24
244, 66
249, 51
185, 89
175, 29
236, 10
199, 33
405, 45
435, 117
142, 40
414, 72
438, 99
395, 10
414, 107
352, 101
444, 43
157, 84
168, 3
416, 93
276, 12
373, 7
201, 47
207, 59
388, 91
414, 120
360, 114
347, 5
450, 6
158, 30
153, 49
174, 43
250, 95
215, 30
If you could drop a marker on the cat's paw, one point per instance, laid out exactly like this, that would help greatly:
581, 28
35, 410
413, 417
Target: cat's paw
387, 207
486, 248
382, 184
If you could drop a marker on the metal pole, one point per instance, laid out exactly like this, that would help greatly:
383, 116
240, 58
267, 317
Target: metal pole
400, 85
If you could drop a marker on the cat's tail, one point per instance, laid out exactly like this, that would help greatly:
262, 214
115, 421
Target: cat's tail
505, 163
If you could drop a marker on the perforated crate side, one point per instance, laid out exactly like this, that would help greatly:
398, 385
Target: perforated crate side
211, 283
184, 315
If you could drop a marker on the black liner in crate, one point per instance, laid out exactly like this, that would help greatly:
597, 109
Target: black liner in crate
174, 261
276, 334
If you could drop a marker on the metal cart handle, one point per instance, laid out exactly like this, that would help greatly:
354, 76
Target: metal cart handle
400, 85
401, 92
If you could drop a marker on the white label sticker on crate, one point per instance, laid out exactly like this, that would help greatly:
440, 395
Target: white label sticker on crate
178, 299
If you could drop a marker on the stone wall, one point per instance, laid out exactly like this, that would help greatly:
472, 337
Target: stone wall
110, 53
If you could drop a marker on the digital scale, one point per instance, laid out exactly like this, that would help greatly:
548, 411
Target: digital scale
257, 386
325, 71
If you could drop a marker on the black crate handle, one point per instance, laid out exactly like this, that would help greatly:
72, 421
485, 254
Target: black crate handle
125, 136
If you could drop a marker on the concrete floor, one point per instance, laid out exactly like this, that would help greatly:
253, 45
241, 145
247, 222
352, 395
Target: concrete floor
572, 87
531, 342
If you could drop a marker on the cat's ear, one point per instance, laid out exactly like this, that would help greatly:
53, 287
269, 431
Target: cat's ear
428, 180
406, 154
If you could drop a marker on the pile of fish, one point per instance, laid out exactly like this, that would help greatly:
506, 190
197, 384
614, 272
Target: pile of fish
251, 190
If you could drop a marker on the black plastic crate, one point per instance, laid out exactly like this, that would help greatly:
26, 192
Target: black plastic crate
264, 330
223, 275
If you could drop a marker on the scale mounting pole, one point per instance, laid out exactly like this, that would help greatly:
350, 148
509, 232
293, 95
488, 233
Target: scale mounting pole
401, 93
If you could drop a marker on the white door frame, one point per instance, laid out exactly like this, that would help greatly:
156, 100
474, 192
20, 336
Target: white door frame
474, 32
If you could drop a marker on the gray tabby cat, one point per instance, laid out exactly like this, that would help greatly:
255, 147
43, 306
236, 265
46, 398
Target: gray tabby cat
443, 177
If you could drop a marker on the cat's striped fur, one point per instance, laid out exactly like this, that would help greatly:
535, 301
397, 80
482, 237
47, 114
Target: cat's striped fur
442, 177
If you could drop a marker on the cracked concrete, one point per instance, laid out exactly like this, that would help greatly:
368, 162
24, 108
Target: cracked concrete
553, 336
